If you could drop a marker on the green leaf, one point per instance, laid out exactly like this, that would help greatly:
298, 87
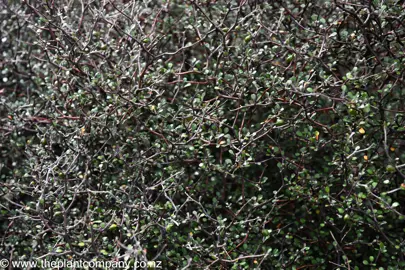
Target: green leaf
113, 227
390, 169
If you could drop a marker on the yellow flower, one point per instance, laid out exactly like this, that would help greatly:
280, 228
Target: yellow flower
362, 131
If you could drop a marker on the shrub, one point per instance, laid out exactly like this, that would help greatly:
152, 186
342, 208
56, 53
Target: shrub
204, 134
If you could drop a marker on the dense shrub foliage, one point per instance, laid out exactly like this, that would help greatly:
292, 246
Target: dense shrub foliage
204, 134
